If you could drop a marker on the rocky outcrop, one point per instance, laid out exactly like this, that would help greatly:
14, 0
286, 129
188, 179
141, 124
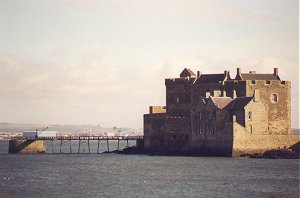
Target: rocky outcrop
275, 154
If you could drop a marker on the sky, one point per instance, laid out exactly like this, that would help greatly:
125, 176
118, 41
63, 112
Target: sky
104, 62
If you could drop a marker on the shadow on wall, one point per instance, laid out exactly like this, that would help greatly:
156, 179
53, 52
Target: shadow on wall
17, 146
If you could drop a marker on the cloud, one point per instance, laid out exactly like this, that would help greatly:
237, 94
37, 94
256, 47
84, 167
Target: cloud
67, 89
191, 10
105, 61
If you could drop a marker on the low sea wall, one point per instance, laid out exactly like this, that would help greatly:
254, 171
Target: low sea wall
246, 143
27, 146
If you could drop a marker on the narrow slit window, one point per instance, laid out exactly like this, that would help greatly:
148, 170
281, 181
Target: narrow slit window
210, 129
274, 98
250, 115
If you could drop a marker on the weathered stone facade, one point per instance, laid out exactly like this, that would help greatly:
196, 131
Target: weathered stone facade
212, 113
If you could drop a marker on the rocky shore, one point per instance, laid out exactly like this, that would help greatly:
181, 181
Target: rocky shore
275, 154
271, 154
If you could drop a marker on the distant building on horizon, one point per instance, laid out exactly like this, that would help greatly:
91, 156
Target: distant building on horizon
213, 113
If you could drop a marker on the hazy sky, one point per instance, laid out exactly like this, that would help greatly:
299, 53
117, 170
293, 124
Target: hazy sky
104, 62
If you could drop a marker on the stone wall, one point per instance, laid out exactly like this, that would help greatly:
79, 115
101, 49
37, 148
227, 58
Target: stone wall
238, 86
178, 96
256, 118
178, 132
193, 125
245, 142
27, 146
279, 113
154, 131
211, 130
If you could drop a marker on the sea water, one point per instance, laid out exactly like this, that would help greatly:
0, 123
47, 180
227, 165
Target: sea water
116, 175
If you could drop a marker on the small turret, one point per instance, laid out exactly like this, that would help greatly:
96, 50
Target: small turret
275, 71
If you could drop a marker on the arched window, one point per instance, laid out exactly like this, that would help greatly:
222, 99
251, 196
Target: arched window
274, 97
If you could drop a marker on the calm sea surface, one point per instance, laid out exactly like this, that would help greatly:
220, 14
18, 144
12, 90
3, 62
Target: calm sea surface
113, 175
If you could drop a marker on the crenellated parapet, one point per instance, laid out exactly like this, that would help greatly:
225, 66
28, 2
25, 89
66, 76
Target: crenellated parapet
207, 111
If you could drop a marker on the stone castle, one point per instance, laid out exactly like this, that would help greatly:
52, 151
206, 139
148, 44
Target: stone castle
215, 114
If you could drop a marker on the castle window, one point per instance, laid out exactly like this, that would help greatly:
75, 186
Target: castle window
211, 129
200, 116
250, 115
200, 129
268, 82
177, 99
274, 97
253, 82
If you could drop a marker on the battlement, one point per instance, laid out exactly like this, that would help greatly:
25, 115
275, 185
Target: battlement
208, 111
157, 109
267, 82
252, 75
179, 81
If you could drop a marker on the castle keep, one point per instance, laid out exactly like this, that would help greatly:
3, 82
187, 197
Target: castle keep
214, 113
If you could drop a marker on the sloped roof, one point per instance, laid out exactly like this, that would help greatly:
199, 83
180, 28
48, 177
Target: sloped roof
238, 103
246, 76
205, 78
221, 102
187, 73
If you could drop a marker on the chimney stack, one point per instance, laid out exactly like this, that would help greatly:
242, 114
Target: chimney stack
276, 71
224, 93
238, 71
198, 74
252, 72
226, 73
234, 94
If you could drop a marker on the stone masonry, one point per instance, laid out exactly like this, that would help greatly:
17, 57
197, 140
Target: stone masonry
215, 114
